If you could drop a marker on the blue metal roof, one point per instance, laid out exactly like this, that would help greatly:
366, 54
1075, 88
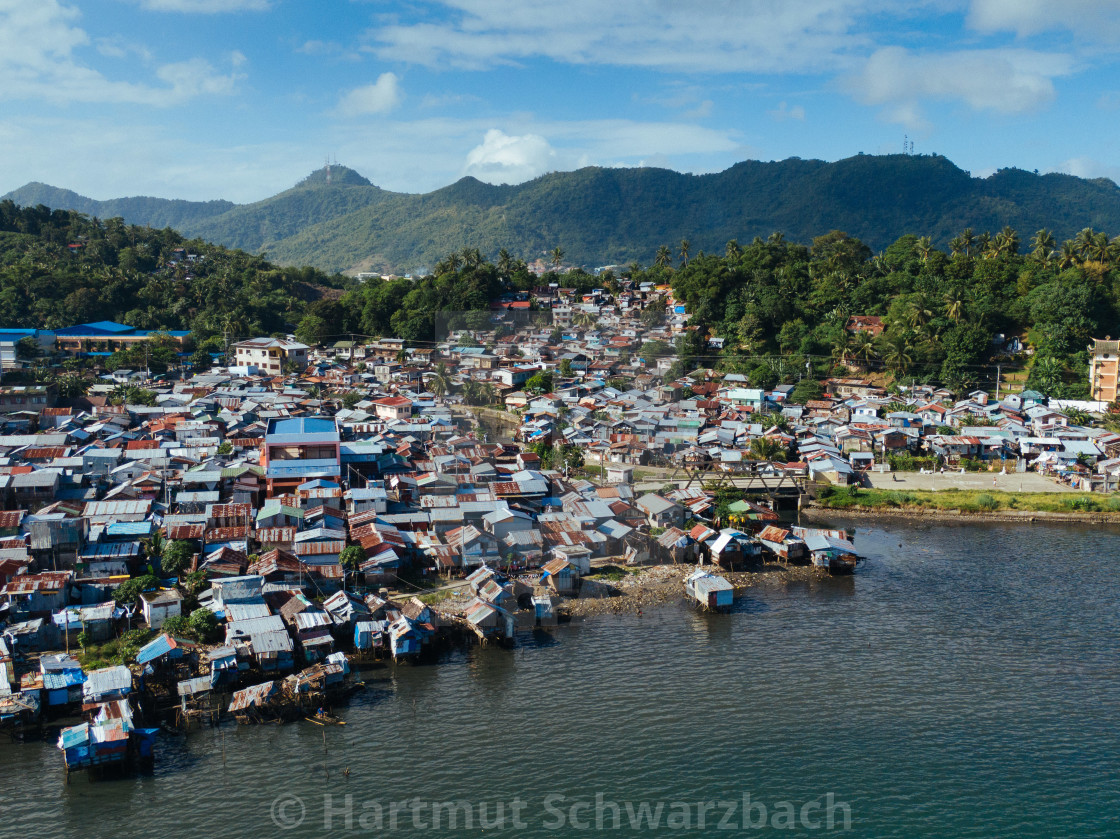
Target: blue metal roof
109, 326
155, 648
303, 425
129, 528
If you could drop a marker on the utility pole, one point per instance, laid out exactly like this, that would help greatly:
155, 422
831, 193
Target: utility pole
998, 371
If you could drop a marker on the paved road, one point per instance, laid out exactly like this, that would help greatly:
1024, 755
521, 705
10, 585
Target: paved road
1011, 482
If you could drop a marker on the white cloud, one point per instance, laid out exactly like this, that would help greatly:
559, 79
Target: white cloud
1087, 167
1094, 20
195, 78
377, 98
501, 158
426, 154
707, 35
38, 60
1003, 81
784, 112
206, 7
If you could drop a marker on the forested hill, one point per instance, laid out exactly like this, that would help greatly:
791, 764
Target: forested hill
153, 212
618, 216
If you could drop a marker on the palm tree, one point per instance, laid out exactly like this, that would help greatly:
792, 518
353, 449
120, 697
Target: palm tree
863, 347
1083, 241
440, 381
402, 356
1007, 241
505, 263
1042, 246
1047, 374
968, 241
557, 257
471, 392
472, 257
918, 313
1067, 256
954, 304
896, 354
155, 544
664, 257
923, 248
685, 246
733, 250
584, 318
1101, 248
984, 244
766, 448
776, 239
840, 345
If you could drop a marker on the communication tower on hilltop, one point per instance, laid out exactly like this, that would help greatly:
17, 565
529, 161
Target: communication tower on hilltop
328, 167
907, 144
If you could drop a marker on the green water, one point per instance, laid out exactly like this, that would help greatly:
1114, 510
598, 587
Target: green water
965, 682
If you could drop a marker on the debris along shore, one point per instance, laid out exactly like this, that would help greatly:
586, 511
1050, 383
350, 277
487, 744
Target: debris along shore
663, 585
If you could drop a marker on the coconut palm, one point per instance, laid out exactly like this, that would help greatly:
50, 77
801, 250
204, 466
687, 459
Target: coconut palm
1101, 249
1083, 241
918, 313
954, 304
923, 248
733, 250
968, 241
472, 257
840, 346
1007, 241
863, 347
766, 448
1042, 246
557, 257
664, 257
984, 244
685, 247
440, 381
505, 263
897, 355
584, 319
1067, 256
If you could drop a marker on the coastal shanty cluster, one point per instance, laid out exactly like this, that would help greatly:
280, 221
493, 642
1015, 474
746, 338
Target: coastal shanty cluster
230, 547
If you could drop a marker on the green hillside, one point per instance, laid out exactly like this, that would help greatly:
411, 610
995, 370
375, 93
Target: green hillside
617, 216
153, 212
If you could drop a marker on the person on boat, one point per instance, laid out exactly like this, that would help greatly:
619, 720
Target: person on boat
320, 713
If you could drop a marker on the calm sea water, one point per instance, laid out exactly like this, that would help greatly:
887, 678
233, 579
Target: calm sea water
966, 682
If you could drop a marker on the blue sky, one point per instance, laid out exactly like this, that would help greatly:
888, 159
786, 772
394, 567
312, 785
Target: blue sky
239, 99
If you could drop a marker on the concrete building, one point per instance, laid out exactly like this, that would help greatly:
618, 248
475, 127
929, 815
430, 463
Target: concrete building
298, 450
1104, 367
270, 355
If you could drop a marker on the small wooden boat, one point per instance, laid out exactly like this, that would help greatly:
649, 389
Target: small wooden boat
326, 719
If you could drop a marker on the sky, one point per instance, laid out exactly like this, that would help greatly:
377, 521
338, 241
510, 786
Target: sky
240, 99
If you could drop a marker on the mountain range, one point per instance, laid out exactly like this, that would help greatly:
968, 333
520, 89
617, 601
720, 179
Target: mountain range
339, 221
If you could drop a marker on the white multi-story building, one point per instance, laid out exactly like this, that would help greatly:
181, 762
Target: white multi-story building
270, 355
